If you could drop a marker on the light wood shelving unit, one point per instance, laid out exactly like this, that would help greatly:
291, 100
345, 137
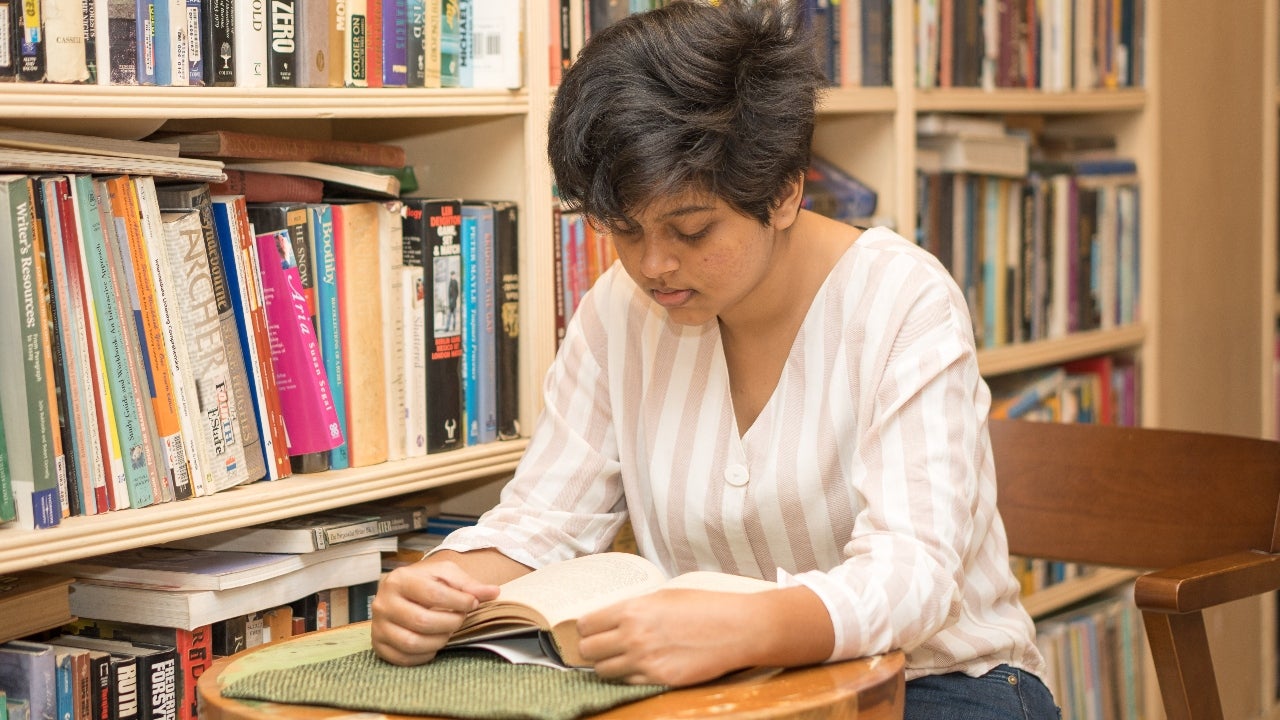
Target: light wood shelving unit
1199, 257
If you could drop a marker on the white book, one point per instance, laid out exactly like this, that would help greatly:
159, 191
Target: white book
497, 46
179, 569
190, 609
414, 359
65, 60
391, 256
355, 63
1004, 155
250, 26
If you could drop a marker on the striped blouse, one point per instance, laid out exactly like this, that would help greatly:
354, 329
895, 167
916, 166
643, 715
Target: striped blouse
867, 476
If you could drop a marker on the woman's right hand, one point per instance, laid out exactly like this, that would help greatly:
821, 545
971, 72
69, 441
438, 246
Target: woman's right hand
417, 607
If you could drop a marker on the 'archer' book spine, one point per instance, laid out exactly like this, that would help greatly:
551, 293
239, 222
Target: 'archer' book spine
507, 327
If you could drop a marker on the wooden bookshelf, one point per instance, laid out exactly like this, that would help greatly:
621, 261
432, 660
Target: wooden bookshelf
1056, 597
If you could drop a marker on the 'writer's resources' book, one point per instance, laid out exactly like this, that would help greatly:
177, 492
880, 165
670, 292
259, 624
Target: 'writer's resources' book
551, 599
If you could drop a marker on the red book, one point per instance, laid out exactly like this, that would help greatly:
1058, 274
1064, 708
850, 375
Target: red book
261, 146
373, 43
269, 187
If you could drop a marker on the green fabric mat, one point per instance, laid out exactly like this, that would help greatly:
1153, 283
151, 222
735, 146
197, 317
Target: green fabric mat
463, 684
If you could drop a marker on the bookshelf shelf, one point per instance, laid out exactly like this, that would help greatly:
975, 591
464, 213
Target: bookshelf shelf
1035, 101
79, 537
838, 101
30, 100
1057, 597
1024, 356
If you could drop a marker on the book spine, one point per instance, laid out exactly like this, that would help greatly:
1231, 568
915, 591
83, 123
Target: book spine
197, 28
47, 233
25, 403
360, 313
270, 147
121, 42
165, 41
355, 45
220, 56
335, 56
466, 44
395, 43
507, 327
314, 27
450, 44
477, 334
445, 430
373, 50
391, 257
557, 265
257, 187
496, 44
309, 414
162, 682
412, 306
31, 42
282, 52
415, 52
137, 432
8, 507
64, 32
249, 50
145, 16
431, 18
328, 326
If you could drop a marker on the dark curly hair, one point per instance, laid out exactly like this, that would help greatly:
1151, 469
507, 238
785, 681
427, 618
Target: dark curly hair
690, 97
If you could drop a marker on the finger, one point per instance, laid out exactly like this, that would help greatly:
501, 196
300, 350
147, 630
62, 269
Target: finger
599, 621
459, 579
429, 587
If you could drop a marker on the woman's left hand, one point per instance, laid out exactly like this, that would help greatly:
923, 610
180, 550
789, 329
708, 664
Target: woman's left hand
669, 637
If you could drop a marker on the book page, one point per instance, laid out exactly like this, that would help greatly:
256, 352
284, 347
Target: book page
568, 589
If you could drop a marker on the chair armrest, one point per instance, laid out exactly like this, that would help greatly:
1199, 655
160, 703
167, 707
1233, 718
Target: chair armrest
1196, 586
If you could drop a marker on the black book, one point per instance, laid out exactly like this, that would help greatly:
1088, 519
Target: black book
282, 48
432, 239
507, 328
218, 42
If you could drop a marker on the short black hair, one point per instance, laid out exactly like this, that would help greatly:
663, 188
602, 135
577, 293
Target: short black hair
715, 99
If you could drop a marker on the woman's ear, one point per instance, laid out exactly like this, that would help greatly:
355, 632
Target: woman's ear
788, 209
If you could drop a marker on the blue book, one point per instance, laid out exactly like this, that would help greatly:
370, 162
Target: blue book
478, 351
62, 683
329, 327
28, 672
146, 30
164, 42
395, 43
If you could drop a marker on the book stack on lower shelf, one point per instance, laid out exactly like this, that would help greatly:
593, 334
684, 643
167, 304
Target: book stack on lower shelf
174, 343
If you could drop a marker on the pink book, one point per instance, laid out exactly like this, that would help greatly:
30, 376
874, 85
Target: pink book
310, 418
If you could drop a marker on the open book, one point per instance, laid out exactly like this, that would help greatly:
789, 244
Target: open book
550, 600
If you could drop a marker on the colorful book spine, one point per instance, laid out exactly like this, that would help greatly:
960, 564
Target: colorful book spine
54, 367
328, 324
355, 45
466, 44
478, 271
431, 19
441, 253
238, 252
25, 402
395, 43
373, 50
146, 32
415, 52
450, 44
305, 400
115, 490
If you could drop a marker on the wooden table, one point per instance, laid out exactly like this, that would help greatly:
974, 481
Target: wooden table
865, 689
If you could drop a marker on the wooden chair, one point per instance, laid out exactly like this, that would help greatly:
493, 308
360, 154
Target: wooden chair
1200, 509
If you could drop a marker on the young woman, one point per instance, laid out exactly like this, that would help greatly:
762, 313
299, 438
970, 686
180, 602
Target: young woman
760, 390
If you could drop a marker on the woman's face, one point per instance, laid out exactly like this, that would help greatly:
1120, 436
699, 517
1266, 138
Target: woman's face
696, 256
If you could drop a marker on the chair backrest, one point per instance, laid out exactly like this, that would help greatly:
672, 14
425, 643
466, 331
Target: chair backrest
1199, 509
1134, 497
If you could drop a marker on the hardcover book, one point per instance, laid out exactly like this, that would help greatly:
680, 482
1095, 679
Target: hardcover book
260, 146
31, 602
263, 187
282, 48
507, 324
344, 181
305, 401
25, 399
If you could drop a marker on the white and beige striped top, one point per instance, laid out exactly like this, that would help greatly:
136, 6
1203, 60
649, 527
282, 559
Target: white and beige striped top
867, 476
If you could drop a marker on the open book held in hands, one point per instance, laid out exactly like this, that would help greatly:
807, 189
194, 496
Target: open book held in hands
551, 599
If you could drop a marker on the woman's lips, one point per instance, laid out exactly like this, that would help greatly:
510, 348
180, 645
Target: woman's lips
671, 298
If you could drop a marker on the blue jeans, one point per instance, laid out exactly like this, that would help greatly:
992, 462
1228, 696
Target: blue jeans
1004, 693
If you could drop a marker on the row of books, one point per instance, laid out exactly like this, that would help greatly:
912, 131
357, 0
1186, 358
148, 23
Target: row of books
853, 37
1100, 389
283, 43
172, 344
1096, 656
1052, 45
1041, 247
